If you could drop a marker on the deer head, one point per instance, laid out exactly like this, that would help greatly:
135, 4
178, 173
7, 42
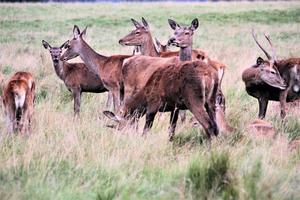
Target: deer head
74, 46
55, 51
268, 71
122, 118
183, 36
161, 47
139, 36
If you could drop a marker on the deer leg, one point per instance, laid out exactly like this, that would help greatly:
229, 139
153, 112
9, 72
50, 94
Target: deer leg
149, 122
24, 123
182, 114
263, 104
282, 99
203, 118
10, 123
77, 98
109, 99
220, 100
173, 122
116, 102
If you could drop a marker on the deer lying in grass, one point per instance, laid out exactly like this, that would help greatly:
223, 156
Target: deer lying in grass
272, 79
18, 99
109, 69
76, 76
173, 87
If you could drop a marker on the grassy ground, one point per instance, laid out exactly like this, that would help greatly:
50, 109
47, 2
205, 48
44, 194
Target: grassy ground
81, 159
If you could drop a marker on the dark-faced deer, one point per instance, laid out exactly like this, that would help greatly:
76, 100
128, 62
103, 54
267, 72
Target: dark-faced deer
76, 76
263, 80
18, 99
174, 87
109, 69
289, 70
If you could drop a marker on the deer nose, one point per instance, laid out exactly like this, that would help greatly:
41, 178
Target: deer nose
171, 40
121, 41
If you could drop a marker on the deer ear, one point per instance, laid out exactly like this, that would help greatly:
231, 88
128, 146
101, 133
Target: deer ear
65, 45
194, 24
111, 116
145, 23
136, 23
76, 31
157, 42
173, 24
83, 32
259, 61
46, 44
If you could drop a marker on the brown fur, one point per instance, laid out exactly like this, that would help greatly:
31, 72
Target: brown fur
109, 69
76, 76
273, 80
180, 86
19, 118
137, 71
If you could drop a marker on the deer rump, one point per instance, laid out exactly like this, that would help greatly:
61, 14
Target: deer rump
18, 98
187, 85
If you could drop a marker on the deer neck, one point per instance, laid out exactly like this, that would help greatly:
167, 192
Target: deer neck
91, 58
185, 53
148, 48
59, 70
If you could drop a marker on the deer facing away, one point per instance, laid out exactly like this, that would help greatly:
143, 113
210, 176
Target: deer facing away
76, 76
18, 100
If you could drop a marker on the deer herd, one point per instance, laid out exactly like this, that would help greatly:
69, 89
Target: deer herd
154, 79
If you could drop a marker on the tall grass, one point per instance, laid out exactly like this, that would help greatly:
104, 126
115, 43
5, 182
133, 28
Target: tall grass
67, 158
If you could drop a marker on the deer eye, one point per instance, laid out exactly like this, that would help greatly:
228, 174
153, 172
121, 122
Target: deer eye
137, 33
186, 33
273, 72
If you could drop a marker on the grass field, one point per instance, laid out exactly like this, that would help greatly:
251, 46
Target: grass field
82, 159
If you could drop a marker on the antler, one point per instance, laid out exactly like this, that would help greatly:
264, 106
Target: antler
273, 48
255, 39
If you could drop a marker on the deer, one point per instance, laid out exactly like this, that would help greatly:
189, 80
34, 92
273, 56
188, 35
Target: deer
182, 38
272, 79
173, 87
108, 68
146, 66
141, 36
18, 100
76, 76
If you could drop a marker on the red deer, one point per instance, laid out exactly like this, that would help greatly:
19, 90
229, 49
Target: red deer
182, 38
142, 37
136, 70
18, 99
272, 79
146, 66
109, 69
76, 76
174, 87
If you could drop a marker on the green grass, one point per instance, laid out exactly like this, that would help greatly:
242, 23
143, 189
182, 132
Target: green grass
67, 158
